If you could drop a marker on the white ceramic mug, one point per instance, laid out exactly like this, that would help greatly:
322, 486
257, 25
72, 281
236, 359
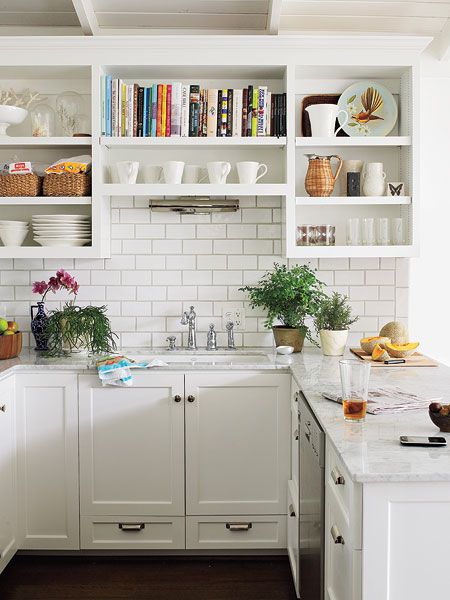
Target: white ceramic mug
323, 119
218, 171
192, 174
173, 171
152, 173
127, 171
248, 171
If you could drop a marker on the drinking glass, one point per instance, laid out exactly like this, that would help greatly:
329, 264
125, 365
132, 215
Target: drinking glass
353, 237
368, 231
355, 387
383, 231
398, 238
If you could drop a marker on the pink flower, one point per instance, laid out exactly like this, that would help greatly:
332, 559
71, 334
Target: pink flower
75, 288
54, 284
39, 287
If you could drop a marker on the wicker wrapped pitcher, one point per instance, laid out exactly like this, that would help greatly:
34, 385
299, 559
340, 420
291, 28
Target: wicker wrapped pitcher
320, 179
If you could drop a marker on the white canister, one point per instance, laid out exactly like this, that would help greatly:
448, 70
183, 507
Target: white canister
323, 119
374, 177
349, 166
333, 342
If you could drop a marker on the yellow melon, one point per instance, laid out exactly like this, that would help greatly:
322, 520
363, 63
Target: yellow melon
396, 332
379, 353
368, 344
401, 350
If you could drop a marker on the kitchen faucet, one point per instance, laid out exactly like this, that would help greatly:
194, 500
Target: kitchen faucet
188, 318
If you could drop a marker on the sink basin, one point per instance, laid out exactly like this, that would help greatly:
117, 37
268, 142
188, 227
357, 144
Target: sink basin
229, 358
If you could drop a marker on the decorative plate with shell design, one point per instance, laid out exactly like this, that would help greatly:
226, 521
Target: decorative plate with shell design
371, 108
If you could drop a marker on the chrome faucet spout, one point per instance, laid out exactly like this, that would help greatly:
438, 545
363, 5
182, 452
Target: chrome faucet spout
189, 318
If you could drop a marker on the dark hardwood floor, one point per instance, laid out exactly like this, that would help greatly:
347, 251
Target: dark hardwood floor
143, 578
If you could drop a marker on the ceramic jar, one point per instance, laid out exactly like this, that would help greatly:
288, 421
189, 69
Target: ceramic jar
348, 166
333, 342
374, 180
38, 324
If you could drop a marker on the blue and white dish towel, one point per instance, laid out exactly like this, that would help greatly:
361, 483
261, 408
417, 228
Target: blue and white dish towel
116, 370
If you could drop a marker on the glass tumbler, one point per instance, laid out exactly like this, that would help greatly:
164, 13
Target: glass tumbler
383, 231
353, 237
398, 237
355, 387
368, 231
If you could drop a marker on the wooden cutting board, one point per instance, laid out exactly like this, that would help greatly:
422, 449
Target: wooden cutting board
415, 360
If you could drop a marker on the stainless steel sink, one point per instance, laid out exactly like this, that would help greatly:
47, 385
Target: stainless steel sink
211, 358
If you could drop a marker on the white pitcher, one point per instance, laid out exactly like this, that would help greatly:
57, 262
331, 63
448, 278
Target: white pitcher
127, 171
323, 119
374, 179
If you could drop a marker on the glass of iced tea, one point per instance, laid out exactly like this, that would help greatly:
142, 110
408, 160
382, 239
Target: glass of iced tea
355, 386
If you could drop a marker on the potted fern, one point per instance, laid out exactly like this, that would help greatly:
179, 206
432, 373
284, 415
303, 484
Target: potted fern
332, 321
289, 296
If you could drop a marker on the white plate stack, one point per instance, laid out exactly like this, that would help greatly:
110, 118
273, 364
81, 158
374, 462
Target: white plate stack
13, 233
62, 230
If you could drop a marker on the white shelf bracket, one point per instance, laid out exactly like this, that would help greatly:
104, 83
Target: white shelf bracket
274, 16
86, 16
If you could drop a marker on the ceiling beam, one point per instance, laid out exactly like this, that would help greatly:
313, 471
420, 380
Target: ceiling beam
86, 16
273, 16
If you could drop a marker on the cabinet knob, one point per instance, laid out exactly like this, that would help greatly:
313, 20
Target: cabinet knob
191, 398
177, 398
337, 537
3, 407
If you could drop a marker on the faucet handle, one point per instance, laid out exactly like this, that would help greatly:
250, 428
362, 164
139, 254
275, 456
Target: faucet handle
171, 339
229, 326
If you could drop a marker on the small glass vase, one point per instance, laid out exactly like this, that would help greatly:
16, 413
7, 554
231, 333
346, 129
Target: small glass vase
38, 326
68, 106
42, 121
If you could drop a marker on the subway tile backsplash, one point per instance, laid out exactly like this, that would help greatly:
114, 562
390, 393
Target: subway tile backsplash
161, 263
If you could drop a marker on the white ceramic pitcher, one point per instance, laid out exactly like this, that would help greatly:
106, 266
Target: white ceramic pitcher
323, 119
374, 183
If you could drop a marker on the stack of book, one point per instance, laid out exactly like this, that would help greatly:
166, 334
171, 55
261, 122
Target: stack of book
187, 110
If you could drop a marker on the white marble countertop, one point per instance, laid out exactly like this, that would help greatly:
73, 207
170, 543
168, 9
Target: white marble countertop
370, 450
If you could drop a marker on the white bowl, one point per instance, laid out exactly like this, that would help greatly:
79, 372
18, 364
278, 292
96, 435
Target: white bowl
285, 349
13, 237
14, 223
10, 115
62, 242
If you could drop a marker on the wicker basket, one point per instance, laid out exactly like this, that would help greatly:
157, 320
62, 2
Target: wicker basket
20, 185
67, 184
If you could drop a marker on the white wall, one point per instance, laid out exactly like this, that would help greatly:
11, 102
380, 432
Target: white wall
430, 273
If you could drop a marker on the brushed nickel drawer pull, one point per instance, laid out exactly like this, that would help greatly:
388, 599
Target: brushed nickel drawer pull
238, 526
131, 526
291, 511
337, 537
337, 477
3, 407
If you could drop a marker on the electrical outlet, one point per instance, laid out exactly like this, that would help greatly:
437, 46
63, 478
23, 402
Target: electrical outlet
237, 316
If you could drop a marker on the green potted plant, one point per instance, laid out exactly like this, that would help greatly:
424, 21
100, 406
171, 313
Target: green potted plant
289, 296
332, 320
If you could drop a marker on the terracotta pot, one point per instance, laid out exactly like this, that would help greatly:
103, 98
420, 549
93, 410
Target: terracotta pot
289, 336
333, 342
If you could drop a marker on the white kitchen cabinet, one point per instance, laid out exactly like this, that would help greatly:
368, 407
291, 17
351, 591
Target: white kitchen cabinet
8, 493
237, 443
293, 545
294, 435
47, 447
132, 446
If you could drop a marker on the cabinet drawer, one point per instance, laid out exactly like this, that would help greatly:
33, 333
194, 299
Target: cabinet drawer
119, 533
338, 478
236, 532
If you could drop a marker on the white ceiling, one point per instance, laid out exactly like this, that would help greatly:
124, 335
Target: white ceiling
131, 17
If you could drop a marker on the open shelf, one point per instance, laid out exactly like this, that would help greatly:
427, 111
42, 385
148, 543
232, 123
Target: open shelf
351, 200
352, 251
394, 140
48, 252
140, 142
44, 200
41, 142
197, 189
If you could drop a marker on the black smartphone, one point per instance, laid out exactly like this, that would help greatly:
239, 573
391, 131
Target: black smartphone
425, 442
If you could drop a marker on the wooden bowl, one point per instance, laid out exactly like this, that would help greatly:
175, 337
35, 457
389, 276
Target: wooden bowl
440, 421
10, 345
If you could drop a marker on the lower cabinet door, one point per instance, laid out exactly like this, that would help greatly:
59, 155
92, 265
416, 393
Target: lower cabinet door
252, 532
132, 532
293, 534
132, 446
237, 443
47, 457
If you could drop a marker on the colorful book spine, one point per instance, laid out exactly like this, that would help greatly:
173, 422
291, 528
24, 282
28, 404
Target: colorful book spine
237, 113
249, 110
230, 109
244, 112
168, 109
154, 110
185, 107
260, 125
115, 108
147, 110
175, 128
103, 104
211, 119
123, 102
267, 113
283, 115
159, 111
144, 112
255, 102
219, 113
224, 113
108, 106
139, 119
194, 100
164, 110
